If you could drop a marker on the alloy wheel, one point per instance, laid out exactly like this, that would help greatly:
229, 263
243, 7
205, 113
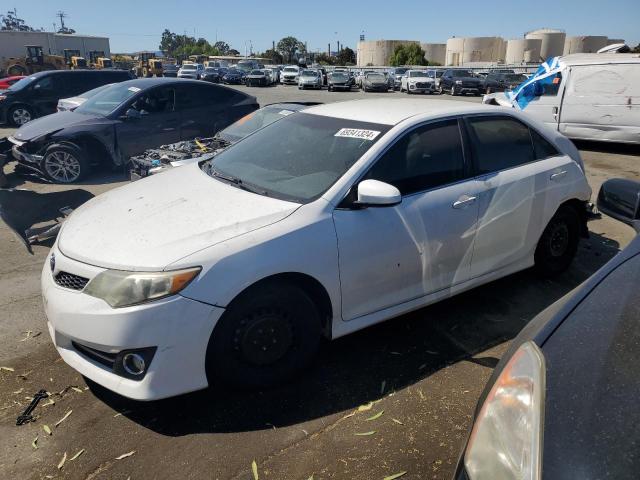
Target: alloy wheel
20, 116
62, 166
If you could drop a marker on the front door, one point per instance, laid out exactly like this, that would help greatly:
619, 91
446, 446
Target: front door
390, 255
546, 107
157, 124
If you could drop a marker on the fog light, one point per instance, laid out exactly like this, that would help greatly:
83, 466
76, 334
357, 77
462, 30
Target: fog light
133, 364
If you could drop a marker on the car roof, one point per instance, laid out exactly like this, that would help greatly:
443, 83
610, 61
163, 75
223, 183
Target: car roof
599, 58
153, 81
393, 111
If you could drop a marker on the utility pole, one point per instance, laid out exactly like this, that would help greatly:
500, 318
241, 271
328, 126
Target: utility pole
62, 16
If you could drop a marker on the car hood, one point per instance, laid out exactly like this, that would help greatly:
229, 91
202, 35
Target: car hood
51, 123
497, 99
151, 223
421, 79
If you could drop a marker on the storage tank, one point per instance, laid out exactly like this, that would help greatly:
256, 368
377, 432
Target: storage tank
378, 52
523, 50
435, 52
584, 44
462, 50
552, 42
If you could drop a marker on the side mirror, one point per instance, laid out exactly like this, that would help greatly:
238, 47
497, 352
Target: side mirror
619, 198
373, 193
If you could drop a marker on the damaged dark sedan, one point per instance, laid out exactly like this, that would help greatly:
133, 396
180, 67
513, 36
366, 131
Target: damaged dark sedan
122, 121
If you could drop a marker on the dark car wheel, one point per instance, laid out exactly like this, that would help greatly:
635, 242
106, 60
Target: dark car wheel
19, 115
488, 90
64, 163
559, 242
267, 335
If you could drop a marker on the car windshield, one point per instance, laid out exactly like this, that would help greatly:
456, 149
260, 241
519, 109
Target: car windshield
257, 72
290, 69
461, 73
309, 73
95, 91
189, 66
20, 84
254, 121
515, 77
417, 74
210, 70
375, 76
339, 76
106, 101
297, 158
401, 71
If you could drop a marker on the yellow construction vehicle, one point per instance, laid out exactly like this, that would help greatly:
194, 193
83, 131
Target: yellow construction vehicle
147, 65
198, 58
35, 61
98, 61
73, 59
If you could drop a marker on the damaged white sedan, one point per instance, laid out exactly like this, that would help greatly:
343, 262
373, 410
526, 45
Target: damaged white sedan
320, 224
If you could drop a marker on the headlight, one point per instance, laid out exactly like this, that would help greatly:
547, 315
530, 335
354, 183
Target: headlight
3, 97
122, 289
506, 441
458, 82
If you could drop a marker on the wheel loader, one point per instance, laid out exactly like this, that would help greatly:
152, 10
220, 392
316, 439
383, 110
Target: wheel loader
35, 61
147, 65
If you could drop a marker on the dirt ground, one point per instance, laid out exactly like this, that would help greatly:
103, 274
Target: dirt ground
395, 397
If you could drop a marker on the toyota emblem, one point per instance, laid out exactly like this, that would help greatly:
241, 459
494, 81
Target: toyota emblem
52, 262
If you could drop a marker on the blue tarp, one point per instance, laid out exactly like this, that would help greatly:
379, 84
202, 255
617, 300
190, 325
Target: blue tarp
545, 76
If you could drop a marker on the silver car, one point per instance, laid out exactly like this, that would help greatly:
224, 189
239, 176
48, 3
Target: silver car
310, 79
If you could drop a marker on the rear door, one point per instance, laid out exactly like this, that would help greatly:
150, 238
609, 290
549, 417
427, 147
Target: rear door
523, 180
44, 94
159, 122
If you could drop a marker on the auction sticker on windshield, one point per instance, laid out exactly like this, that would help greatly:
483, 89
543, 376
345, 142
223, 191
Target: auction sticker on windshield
357, 133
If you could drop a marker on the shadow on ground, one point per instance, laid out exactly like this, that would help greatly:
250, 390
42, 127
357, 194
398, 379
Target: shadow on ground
350, 371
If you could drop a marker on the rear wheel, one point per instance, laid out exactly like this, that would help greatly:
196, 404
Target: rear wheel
267, 335
19, 115
16, 70
559, 242
64, 163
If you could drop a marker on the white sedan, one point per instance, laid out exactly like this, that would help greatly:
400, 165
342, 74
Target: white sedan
417, 81
321, 224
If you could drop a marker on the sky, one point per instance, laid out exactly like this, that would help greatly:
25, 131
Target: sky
137, 24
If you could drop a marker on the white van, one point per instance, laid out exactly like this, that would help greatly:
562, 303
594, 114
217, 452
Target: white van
590, 96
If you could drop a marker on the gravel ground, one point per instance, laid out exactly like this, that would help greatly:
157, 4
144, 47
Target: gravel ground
424, 371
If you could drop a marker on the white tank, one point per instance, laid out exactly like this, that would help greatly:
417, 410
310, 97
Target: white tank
552, 42
378, 52
435, 52
584, 44
523, 50
461, 51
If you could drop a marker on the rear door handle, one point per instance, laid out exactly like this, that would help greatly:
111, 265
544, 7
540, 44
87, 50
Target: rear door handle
463, 201
558, 175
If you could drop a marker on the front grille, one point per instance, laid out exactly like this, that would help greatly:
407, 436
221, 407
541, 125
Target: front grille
103, 358
71, 281
421, 85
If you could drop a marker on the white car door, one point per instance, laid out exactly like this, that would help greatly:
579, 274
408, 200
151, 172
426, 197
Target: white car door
522, 187
546, 107
390, 255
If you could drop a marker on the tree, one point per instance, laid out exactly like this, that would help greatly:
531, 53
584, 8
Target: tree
411, 54
636, 49
346, 56
324, 59
234, 52
289, 46
273, 55
10, 21
222, 47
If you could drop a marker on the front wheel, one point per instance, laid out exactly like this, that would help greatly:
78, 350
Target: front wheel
64, 163
559, 242
267, 335
20, 115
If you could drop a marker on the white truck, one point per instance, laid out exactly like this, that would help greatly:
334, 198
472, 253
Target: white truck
584, 96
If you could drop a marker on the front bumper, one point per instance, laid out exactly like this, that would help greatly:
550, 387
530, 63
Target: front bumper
178, 327
422, 88
377, 88
233, 81
290, 80
462, 89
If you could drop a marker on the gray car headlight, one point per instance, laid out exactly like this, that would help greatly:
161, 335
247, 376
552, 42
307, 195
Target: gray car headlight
122, 289
506, 440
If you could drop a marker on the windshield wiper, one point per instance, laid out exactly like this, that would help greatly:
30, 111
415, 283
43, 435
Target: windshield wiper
236, 181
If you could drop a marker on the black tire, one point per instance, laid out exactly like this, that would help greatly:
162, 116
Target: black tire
64, 163
559, 243
268, 334
17, 115
16, 70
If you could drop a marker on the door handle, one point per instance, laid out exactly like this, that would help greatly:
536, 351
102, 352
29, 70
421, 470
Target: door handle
555, 111
463, 201
558, 175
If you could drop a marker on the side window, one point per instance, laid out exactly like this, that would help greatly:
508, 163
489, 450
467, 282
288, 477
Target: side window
158, 100
195, 96
542, 148
499, 143
551, 88
44, 84
427, 157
